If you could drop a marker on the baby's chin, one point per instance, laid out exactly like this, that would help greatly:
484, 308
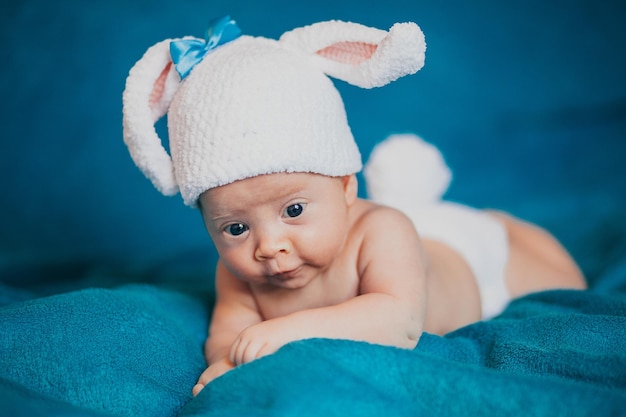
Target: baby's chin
289, 284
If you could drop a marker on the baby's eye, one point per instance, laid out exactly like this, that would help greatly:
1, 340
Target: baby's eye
294, 210
236, 229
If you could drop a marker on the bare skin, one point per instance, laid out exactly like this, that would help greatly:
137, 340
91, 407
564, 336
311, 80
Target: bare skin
301, 256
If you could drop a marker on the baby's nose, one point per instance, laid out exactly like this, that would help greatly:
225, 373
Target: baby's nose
270, 245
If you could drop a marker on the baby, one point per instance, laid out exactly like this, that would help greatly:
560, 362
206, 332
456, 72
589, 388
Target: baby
260, 142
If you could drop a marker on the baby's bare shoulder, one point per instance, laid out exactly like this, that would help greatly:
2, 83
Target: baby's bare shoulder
372, 217
390, 254
381, 229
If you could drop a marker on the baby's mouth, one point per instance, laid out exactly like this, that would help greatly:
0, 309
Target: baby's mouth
288, 274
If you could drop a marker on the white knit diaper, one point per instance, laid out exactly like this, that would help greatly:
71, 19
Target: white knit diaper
479, 238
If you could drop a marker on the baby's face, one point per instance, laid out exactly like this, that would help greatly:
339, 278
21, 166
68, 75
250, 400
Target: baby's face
282, 229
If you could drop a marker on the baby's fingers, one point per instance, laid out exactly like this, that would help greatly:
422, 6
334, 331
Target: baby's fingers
197, 388
215, 370
245, 350
238, 351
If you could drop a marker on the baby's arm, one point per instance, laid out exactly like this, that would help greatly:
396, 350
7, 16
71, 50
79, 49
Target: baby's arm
390, 310
234, 311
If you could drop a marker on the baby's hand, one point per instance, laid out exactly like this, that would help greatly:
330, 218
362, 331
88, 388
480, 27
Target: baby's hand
261, 339
213, 371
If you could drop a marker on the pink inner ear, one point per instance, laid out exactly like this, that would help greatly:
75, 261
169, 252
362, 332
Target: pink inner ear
352, 53
159, 86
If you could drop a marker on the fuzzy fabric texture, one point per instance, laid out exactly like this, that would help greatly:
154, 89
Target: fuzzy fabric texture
137, 351
257, 106
404, 171
339, 47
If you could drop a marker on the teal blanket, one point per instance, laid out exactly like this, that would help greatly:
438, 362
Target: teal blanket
105, 285
137, 350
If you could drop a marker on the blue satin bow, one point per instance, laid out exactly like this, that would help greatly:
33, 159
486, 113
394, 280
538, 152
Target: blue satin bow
186, 53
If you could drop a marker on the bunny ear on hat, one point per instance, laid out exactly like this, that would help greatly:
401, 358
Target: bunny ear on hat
150, 88
360, 55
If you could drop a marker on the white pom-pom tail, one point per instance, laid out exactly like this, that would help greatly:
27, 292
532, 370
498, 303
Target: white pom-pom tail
405, 172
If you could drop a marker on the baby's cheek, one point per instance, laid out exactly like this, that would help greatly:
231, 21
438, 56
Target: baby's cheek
323, 248
239, 266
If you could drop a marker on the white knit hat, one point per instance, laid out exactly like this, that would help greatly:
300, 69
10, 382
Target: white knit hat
248, 106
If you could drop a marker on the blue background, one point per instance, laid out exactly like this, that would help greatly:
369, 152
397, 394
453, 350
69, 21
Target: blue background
526, 99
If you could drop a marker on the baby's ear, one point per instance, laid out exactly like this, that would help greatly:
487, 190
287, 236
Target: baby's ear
350, 188
358, 54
